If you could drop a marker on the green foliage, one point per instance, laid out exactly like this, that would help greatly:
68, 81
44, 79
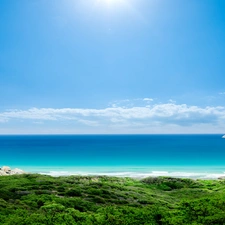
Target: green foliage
170, 183
34, 199
74, 192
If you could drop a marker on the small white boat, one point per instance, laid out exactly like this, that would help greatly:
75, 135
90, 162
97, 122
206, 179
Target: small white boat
223, 136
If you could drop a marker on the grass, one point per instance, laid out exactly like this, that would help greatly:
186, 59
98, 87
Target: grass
40, 199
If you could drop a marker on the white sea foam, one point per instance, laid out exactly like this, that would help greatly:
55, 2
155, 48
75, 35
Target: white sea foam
140, 175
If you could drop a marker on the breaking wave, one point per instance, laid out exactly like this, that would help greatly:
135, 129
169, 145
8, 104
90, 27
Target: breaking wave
139, 175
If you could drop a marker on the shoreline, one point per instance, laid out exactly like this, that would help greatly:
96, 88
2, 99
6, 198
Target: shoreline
190, 172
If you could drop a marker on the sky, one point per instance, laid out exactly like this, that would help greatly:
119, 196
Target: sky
112, 66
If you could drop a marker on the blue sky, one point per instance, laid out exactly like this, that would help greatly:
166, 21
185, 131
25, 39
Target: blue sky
112, 66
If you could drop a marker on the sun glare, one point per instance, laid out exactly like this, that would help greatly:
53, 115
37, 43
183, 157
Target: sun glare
110, 2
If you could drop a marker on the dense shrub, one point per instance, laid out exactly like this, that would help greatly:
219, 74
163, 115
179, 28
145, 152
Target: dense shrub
38, 199
74, 192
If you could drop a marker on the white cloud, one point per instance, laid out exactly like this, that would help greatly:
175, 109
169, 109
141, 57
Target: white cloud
89, 122
130, 102
154, 116
148, 99
155, 112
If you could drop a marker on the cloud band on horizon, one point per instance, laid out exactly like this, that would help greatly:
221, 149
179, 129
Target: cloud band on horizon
161, 115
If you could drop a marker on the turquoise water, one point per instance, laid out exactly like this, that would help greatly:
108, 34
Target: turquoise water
200, 156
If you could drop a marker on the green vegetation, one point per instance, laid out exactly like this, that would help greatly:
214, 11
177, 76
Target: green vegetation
33, 199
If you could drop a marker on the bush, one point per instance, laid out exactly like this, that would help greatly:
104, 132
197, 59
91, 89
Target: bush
73, 192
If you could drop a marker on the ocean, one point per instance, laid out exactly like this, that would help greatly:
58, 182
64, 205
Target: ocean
138, 156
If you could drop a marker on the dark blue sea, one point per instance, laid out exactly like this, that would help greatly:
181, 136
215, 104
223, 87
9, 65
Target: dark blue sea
194, 156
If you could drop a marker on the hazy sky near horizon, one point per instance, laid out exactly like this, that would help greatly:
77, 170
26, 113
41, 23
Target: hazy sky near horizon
112, 66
